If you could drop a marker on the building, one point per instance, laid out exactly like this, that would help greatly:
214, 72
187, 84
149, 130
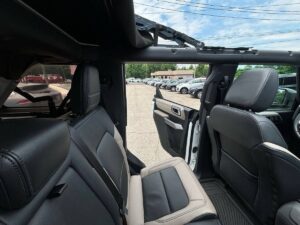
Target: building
173, 74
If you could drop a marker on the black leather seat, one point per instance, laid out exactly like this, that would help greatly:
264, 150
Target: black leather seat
249, 152
165, 193
44, 179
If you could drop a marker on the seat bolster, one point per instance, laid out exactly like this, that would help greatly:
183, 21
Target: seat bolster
135, 201
155, 167
199, 205
120, 143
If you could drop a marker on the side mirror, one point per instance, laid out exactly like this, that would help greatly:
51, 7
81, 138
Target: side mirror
279, 99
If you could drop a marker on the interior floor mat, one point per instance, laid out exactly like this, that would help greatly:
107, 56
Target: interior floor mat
230, 212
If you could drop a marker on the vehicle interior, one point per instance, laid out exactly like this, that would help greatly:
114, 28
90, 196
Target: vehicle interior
235, 160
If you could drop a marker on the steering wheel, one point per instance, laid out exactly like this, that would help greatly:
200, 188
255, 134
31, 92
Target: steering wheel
296, 122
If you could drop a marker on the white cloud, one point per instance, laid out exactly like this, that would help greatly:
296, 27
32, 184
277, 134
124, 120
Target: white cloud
201, 27
179, 21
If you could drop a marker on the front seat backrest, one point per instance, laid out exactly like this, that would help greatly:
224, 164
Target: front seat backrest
241, 141
96, 129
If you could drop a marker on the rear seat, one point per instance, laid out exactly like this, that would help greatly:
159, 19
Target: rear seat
165, 193
44, 179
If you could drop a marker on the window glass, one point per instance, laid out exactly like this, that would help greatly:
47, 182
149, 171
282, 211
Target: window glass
40, 81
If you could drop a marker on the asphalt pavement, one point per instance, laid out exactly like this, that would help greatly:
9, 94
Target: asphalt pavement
142, 137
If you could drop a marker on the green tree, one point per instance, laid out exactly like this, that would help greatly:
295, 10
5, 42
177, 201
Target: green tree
136, 70
160, 67
191, 67
145, 70
168, 66
240, 71
153, 67
201, 70
281, 69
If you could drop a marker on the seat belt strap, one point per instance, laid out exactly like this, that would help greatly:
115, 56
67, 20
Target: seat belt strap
95, 163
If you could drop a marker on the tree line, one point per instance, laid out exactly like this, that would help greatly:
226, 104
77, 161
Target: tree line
39, 69
139, 70
281, 69
200, 70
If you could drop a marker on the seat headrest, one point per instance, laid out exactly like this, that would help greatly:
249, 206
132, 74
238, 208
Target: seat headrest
85, 90
254, 90
31, 150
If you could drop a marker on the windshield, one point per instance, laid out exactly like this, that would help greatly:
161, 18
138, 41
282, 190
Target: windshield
272, 25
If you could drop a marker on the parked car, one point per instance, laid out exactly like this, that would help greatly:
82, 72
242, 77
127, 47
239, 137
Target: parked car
196, 92
152, 82
172, 86
149, 82
35, 90
287, 80
146, 80
134, 80
184, 88
160, 83
164, 85
130, 80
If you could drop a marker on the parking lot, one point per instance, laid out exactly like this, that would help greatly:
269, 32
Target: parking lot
142, 137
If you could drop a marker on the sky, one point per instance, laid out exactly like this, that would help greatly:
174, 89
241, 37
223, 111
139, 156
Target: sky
261, 24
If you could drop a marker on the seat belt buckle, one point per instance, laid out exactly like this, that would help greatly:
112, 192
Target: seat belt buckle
57, 191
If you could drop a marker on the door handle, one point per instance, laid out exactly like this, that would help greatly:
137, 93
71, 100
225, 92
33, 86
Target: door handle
176, 110
175, 126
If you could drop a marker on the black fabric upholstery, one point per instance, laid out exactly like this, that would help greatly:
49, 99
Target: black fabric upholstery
254, 90
85, 200
163, 194
85, 90
31, 151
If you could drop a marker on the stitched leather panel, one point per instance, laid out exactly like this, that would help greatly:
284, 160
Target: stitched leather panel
30, 152
163, 194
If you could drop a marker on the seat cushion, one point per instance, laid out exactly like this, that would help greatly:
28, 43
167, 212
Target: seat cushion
167, 193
